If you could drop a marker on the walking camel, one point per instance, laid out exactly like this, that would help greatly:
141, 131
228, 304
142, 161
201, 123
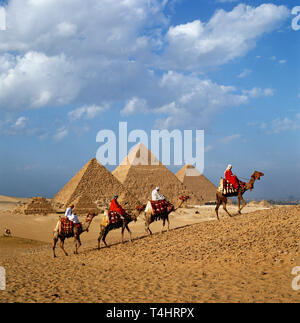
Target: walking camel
61, 235
123, 223
221, 198
151, 217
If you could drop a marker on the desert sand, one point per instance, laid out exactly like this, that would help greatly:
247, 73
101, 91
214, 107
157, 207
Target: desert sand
246, 258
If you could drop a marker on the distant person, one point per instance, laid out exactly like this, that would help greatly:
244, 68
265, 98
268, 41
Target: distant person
116, 207
156, 196
69, 214
231, 178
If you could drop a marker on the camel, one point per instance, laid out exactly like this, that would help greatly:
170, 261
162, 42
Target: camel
150, 217
249, 186
112, 226
59, 234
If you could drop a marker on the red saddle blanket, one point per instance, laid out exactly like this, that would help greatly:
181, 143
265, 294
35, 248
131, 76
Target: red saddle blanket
160, 207
114, 217
67, 226
229, 189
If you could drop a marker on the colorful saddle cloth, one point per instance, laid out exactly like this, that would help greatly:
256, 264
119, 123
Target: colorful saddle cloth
67, 226
160, 208
114, 217
226, 188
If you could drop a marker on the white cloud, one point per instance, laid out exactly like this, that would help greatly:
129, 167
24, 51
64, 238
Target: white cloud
257, 92
135, 105
282, 61
193, 101
86, 112
230, 138
60, 134
91, 53
66, 29
20, 123
244, 73
227, 35
280, 125
35, 80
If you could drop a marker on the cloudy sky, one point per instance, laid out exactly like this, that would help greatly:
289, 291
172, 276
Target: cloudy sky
70, 68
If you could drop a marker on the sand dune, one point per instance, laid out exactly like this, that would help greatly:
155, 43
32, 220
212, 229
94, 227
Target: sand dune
246, 258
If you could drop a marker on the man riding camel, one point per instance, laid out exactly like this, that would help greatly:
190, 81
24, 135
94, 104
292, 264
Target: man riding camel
69, 214
156, 196
232, 178
116, 207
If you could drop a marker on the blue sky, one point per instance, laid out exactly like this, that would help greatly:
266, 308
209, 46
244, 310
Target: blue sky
71, 69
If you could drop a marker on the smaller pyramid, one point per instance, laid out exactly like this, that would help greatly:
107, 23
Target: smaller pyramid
95, 183
204, 190
83, 205
37, 205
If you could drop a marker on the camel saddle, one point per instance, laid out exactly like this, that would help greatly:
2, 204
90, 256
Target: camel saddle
160, 208
67, 226
226, 188
110, 217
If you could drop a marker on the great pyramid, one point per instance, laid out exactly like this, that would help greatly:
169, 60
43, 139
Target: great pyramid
97, 184
37, 205
194, 181
141, 172
83, 205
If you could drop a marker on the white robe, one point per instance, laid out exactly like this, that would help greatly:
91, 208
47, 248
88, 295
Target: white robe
72, 217
156, 196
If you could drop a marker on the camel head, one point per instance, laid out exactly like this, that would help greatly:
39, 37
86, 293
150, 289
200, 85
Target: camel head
140, 208
183, 198
90, 216
257, 175
133, 215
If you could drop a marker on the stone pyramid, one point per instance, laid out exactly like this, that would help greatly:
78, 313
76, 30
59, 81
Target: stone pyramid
83, 205
196, 182
36, 205
96, 183
140, 172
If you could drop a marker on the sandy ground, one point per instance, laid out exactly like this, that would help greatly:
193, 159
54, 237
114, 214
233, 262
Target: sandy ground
246, 258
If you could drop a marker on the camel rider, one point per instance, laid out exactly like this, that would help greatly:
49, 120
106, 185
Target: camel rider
231, 178
69, 214
156, 196
116, 207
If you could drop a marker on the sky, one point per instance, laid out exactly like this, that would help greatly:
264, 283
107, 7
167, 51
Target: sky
70, 68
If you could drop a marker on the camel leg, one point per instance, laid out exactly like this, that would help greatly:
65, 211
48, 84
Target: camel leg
104, 236
147, 228
100, 237
55, 239
130, 235
62, 241
147, 223
123, 228
77, 244
168, 222
239, 205
217, 209
224, 207
217, 206
244, 204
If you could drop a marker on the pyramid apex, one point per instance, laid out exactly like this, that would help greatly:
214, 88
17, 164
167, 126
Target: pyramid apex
140, 155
